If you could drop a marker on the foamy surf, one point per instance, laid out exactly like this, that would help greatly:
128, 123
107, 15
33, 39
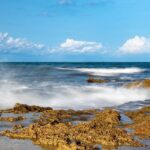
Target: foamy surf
64, 96
107, 71
52, 85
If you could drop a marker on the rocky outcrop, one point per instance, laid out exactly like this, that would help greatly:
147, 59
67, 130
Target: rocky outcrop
18, 126
94, 80
139, 84
141, 124
61, 116
23, 108
51, 130
12, 119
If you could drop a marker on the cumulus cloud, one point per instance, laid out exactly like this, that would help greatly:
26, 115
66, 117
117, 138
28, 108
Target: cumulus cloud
137, 44
9, 44
75, 46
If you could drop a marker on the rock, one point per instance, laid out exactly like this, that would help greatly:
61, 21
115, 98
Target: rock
53, 117
139, 84
102, 130
141, 124
12, 119
139, 115
23, 108
60, 116
51, 130
18, 126
92, 80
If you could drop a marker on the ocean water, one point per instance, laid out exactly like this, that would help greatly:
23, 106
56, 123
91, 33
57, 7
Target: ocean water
64, 85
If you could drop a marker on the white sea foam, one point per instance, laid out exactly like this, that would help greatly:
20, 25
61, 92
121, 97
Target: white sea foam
61, 96
107, 71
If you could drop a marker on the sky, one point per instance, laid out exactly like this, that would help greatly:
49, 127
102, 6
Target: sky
75, 30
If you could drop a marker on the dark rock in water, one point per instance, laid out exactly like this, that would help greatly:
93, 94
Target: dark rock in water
103, 129
12, 119
93, 80
139, 84
23, 108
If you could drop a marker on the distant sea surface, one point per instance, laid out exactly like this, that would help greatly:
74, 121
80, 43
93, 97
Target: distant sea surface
64, 85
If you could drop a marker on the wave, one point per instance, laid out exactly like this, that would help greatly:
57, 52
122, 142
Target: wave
65, 96
106, 71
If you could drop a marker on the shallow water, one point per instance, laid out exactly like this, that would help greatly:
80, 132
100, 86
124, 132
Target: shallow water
29, 118
14, 144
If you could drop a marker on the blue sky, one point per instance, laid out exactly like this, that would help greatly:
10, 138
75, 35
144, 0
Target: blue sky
74, 30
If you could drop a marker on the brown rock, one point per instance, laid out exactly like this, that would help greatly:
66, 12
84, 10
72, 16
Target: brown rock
18, 126
101, 130
93, 80
23, 108
139, 84
141, 124
12, 119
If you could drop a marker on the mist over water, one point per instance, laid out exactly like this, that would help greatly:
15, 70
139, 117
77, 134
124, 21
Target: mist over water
64, 85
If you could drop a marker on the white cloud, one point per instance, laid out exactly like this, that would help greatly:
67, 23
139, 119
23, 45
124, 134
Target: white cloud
137, 44
15, 45
9, 44
74, 46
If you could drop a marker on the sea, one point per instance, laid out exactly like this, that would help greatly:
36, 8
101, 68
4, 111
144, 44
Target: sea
64, 85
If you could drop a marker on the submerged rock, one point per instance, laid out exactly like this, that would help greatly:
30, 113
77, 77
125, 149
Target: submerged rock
51, 130
141, 124
93, 80
139, 84
12, 119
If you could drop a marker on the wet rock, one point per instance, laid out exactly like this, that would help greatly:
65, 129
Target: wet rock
103, 130
50, 130
12, 119
53, 117
61, 116
93, 80
140, 114
141, 124
18, 126
139, 84
23, 108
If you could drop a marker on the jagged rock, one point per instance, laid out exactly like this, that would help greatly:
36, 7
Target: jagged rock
141, 124
18, 126
139, 84
23, 108
12, 119
53, 117
57, 116
100, 130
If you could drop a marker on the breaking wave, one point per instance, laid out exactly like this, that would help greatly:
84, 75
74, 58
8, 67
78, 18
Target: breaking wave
65, 96
107, 71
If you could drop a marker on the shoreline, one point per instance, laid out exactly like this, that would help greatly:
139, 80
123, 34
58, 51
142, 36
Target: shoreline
82, 129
